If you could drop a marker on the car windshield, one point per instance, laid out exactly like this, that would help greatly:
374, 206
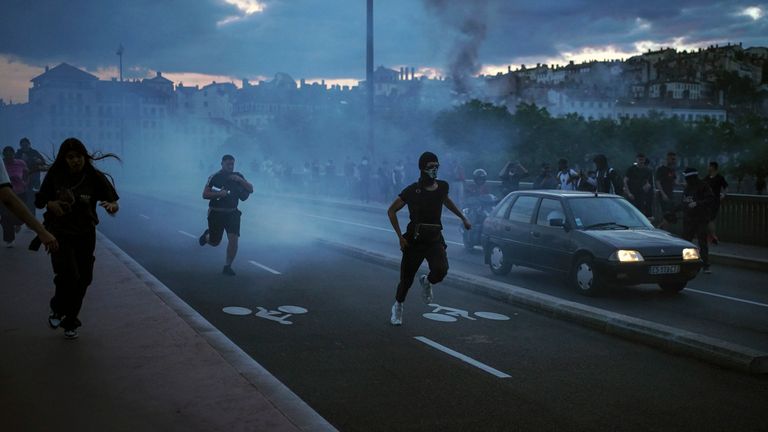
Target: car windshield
606, 213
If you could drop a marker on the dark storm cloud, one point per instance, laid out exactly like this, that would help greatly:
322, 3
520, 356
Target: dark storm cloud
309, 38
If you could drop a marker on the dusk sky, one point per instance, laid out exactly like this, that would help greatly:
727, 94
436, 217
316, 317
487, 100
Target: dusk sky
198, 41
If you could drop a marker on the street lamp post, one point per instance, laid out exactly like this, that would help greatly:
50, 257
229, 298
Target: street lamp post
369, 77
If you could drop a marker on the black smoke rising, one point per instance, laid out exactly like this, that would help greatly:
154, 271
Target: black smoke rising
466, 20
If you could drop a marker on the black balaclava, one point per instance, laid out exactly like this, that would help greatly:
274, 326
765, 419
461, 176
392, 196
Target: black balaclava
427, 177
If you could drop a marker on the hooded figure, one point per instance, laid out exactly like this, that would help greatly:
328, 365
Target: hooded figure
697, 207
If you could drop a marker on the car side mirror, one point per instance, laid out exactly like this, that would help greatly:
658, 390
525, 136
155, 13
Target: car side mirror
559, 223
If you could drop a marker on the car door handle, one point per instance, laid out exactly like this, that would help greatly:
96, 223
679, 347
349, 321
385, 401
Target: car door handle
535, 234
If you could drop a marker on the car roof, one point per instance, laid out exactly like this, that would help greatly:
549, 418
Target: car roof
564, 193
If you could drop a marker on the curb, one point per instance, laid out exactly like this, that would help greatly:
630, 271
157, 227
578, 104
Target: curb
715, 257
287, 402
667, 338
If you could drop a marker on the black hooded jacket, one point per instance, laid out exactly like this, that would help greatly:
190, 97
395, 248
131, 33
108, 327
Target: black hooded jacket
699, 192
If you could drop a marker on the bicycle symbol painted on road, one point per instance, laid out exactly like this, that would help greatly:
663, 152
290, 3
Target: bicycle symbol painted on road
280, 315
449, 314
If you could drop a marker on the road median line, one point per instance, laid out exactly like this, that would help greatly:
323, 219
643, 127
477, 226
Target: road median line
667, 338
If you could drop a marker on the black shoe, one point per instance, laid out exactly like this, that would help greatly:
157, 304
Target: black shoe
202, 240
71, 334
707, 270
227, 270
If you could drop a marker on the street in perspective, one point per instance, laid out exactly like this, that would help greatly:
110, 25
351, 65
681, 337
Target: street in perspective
253, 215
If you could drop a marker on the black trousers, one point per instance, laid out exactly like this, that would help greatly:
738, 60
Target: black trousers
9, 221
413, 256
698, 230
73, 269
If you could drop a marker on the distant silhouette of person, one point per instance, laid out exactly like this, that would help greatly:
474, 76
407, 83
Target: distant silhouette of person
19, 174
606, 178
510, 176
11, 203
35, 164
364, 172
69, 194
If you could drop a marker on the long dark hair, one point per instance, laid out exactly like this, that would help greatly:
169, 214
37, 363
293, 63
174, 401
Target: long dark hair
60, 166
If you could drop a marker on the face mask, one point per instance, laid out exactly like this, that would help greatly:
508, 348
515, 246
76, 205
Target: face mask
431, 173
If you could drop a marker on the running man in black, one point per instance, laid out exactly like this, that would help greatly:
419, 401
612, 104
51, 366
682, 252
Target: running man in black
224, 189
423, 238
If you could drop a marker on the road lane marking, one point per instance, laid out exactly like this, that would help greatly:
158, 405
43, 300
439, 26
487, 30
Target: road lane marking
389, 230
187, 234
144, 216
265, 267
462, 357
727, 297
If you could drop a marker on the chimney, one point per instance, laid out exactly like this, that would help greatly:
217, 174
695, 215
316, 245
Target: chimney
413, 73
509, 69
247, 83
159, 74
46, 68
402, 76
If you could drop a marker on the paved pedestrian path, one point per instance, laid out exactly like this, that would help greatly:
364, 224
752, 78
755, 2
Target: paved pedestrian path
137, 365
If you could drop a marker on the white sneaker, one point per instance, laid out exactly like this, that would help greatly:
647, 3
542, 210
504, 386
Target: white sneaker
426, 289
397, 314
10, 244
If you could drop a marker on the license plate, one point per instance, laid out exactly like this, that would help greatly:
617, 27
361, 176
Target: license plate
664, 269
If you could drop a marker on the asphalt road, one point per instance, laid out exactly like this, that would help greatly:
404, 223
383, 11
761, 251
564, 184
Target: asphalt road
505, 369
729, 304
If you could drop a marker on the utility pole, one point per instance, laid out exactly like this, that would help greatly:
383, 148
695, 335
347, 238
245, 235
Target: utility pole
120, 54
369, 78
122, 103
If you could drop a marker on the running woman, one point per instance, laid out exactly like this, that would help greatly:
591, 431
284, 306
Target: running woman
69, 194
423, 238
223, 190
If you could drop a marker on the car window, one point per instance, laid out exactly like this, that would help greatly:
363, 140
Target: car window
549, 209
501, 209
522, 209
588, 212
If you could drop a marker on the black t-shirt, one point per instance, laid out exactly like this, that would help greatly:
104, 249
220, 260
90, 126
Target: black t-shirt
717, 184
667, 177
424, 207
221, 180
637, 178
81, 192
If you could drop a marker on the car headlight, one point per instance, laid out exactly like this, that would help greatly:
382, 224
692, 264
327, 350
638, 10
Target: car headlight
626, 256
690, 254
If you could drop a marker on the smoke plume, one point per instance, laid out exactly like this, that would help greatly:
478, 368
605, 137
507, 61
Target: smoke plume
467, 21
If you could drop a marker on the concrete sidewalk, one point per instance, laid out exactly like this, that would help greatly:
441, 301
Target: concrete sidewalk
137, 366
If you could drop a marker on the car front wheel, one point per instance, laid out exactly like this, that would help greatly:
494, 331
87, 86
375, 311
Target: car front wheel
499, 264
672, 287
584, 276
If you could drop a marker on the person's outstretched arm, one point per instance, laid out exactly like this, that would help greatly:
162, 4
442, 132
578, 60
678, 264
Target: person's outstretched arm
17, 207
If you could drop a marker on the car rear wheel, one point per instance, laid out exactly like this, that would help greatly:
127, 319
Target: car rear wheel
672, 287
499, 264
584, 277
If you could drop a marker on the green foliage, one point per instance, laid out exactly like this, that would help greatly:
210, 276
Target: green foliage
533, 136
